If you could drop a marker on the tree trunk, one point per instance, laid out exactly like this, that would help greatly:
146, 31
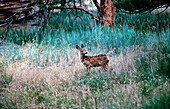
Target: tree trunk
105, 12
107, 6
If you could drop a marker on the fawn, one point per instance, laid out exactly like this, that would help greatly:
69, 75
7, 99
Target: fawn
93, 61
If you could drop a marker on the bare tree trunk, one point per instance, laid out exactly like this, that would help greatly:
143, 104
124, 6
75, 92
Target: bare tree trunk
105, 12
107, 6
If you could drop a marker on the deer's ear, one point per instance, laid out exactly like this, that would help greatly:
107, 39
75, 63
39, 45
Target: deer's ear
82, 46
77, 47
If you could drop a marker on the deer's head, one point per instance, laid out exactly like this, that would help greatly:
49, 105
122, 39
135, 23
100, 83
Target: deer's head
82, 49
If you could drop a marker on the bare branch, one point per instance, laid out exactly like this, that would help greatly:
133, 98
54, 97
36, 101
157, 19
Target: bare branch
96, 4
94, 16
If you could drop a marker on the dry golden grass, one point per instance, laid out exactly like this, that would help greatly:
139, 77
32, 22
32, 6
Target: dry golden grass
69, 64
25, 70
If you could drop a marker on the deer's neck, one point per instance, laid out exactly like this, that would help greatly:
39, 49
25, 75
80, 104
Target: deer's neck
82, 56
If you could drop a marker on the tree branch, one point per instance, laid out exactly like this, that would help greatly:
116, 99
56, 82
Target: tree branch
94, 16
96, 4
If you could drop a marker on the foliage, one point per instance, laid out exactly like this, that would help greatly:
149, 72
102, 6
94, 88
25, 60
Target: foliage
139, 6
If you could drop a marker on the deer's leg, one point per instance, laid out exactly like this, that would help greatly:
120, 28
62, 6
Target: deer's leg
104, 68
108, 67
89, 68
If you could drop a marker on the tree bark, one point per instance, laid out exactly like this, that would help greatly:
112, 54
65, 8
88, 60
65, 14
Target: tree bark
105, 12
108, 8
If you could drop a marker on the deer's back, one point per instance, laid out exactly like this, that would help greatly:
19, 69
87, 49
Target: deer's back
95, 61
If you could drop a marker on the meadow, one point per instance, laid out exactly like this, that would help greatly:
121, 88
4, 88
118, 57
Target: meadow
45, 71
